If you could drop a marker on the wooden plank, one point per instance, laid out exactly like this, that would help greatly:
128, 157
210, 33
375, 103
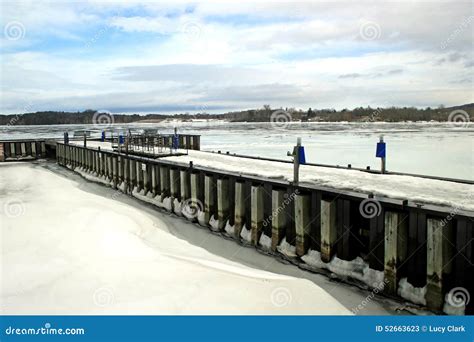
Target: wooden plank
315, 218
376, 242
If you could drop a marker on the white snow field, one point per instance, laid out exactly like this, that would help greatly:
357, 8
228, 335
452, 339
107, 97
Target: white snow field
73, 247
415, 189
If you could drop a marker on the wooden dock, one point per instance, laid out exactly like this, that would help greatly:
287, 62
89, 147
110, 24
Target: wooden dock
431, 246
16, 150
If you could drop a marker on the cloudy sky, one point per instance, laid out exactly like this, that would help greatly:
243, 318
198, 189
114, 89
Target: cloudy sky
217, 56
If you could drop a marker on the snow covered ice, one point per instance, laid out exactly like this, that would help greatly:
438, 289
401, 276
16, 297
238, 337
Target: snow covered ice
68, 250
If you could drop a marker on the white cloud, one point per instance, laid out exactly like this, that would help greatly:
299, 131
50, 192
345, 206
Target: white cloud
236, 55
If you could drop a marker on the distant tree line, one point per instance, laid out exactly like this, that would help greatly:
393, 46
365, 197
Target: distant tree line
264, 114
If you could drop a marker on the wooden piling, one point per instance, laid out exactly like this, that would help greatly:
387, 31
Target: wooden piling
126, 174
174, 183
164, 182
133, 173
196, 195
115, 171
209, 200
278, 217
222, 202
302, 223
328, 230
256, 213
139, 174
239, 212
439, 260
185, 186
155, 171
395, 249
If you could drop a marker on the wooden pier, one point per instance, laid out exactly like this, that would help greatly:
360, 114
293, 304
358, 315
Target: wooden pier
432, 246
15, 150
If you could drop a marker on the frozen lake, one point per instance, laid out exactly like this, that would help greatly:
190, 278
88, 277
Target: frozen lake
438, 149
118, 256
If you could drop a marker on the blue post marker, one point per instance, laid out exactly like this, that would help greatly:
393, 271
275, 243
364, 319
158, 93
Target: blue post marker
103, 136
175, 142
175, 139
121, 139
381, 153
301, 155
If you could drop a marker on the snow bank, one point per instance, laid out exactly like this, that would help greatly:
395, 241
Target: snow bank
214, 224
246, 234
356, 269
265, 241
286, 249
73, 252
229, 229
413, 294
177, 207
201, 218
91, 177
165, 203
157, 200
